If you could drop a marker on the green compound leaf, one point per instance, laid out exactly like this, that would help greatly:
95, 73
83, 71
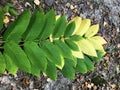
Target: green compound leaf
49, 25
81, 66
51, 70
35, 26
10, 65
1, 18
53, 53
68, 70
18, 56
36, 56
60, 27
2, 63
37, 42
17, 28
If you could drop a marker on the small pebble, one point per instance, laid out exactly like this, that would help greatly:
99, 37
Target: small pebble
72, 7
37, 2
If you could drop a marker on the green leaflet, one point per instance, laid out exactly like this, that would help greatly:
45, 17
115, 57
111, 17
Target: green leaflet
35, 26
18, 56
100, 54
51, 70
75, 37
53, 53
2, 63
87, 47
66, 51
92, 30
89, 63
73, 63
10, 65
70, 29
60, 27
68, 70
17, 28
49, 25
1, 18
72, 44
81, 66
35, 55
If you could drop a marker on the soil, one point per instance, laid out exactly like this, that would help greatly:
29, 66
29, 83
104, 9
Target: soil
106, 75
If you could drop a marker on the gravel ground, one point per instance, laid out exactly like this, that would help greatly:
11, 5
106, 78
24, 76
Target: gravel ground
107, 73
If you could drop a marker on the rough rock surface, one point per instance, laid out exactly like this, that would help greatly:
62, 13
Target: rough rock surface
107, 73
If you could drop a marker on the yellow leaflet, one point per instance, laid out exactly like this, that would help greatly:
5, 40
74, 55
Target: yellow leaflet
95, 43
77, 21
92, 30
87, 47
83, 28
99, 39
77, 54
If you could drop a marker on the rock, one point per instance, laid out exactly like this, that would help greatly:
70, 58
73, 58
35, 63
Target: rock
49, 2
60, 84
